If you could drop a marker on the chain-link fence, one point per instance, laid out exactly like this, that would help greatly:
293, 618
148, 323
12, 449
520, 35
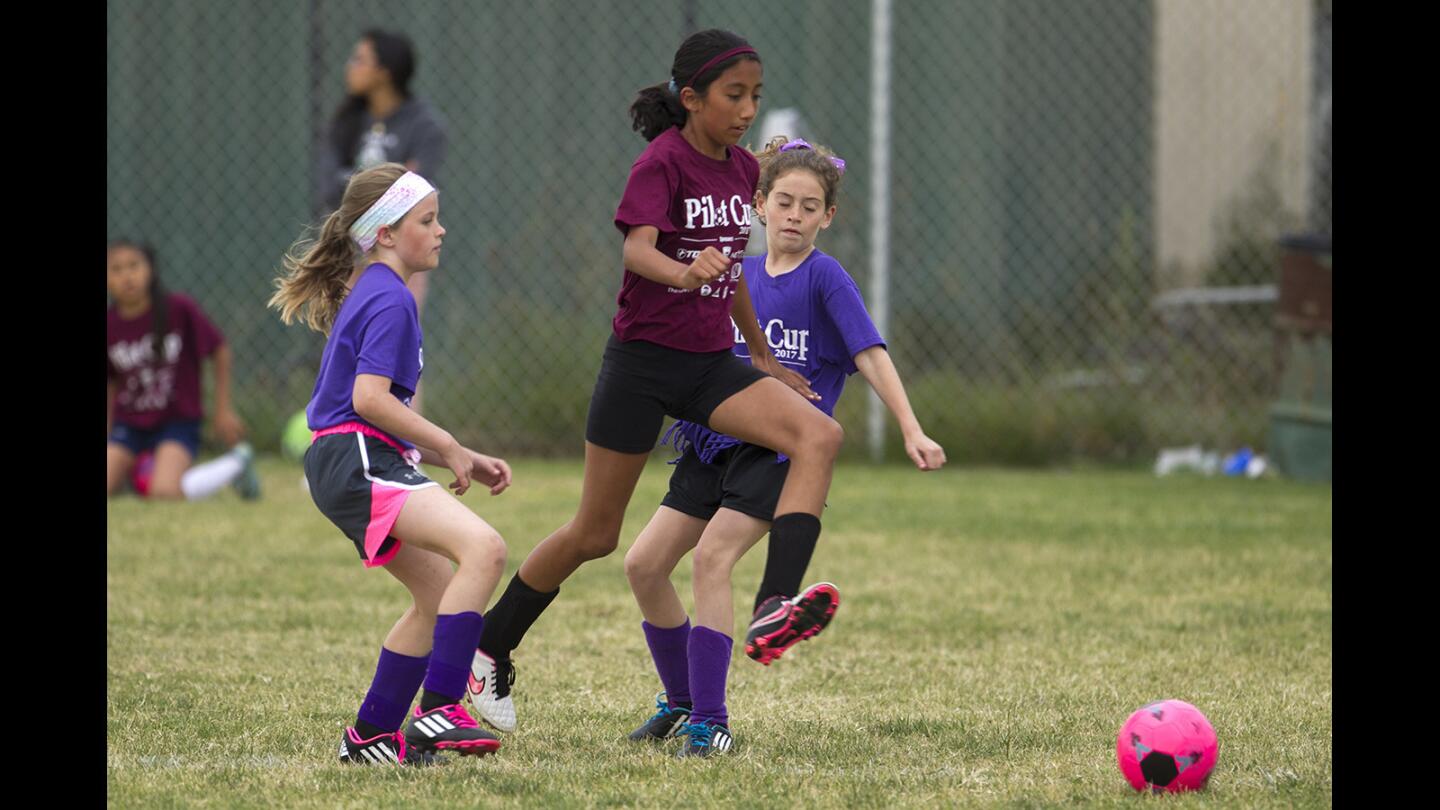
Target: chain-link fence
1071, 183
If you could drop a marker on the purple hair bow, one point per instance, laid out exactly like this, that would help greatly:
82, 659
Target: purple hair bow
800, 144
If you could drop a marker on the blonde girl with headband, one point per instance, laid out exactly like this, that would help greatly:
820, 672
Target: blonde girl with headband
684, 219
724, 492
382, 120
350, 284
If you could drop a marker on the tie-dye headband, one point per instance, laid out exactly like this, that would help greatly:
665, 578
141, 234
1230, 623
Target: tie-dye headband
410, 189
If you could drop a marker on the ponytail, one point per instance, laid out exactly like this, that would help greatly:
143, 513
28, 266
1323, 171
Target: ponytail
655, 110
317, 271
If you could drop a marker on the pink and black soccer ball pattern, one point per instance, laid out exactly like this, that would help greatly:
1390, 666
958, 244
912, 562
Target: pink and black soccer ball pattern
1169, 746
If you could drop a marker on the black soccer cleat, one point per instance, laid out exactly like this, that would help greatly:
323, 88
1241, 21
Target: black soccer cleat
707, 739
780, 623
449, 728
665, 723
383, 749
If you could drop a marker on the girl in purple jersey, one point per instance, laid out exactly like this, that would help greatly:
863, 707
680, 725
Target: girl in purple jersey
362, 465
685, 217
381, 120
723, 493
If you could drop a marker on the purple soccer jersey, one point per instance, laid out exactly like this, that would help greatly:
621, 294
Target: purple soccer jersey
377, 331
814, 320
695, 202
148, 393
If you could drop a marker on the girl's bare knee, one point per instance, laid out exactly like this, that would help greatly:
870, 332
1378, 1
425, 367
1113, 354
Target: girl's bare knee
641, 570
713, 563
490, 550
820, 439
480, 553
596, 546
596, 538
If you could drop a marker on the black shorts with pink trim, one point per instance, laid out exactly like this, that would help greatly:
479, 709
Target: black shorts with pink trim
360, 481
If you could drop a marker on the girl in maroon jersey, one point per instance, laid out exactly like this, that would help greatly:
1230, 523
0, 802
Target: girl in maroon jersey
685, 221
155, 342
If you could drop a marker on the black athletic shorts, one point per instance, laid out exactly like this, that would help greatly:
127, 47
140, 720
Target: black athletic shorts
640, 382
744, 478
360, 480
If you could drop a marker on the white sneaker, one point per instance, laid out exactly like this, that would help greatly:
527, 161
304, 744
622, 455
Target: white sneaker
488, 691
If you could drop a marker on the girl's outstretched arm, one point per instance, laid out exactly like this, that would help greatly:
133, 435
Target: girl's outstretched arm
879, 370
227, 425
375, 404
492, 471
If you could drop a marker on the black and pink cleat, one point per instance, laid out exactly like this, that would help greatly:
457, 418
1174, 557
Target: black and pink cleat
449, 728
383, 749
780, 623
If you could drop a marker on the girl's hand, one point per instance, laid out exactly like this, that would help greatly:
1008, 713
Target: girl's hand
710, 265
228, 427
926, 454
490, 471
768, 364
459, 461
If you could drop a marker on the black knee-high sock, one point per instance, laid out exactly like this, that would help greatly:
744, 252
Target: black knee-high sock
792, 541
511, 617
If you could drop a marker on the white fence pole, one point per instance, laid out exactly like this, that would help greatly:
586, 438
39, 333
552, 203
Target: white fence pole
879, 201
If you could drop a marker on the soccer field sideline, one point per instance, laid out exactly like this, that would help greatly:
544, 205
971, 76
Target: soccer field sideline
996, 629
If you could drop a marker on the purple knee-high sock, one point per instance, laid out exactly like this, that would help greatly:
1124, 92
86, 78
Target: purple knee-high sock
709, 664
397, 679
456, 635
670, 649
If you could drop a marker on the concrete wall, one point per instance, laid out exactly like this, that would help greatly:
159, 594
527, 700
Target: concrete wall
1232, 76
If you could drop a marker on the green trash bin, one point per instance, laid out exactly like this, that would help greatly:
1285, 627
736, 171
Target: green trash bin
1300, 422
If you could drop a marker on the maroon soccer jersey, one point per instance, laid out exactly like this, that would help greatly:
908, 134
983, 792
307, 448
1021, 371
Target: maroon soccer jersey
151, 392
695, 202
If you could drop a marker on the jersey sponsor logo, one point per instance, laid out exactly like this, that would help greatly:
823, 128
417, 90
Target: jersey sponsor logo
706, 212
148, 385
723, 288
128, 354
788, 344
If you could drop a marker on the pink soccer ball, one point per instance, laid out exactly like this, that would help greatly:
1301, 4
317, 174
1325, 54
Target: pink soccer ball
1167, 746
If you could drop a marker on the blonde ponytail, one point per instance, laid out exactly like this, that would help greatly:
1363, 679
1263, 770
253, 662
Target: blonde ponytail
317, 271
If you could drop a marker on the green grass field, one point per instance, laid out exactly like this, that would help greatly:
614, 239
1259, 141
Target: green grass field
996, 629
